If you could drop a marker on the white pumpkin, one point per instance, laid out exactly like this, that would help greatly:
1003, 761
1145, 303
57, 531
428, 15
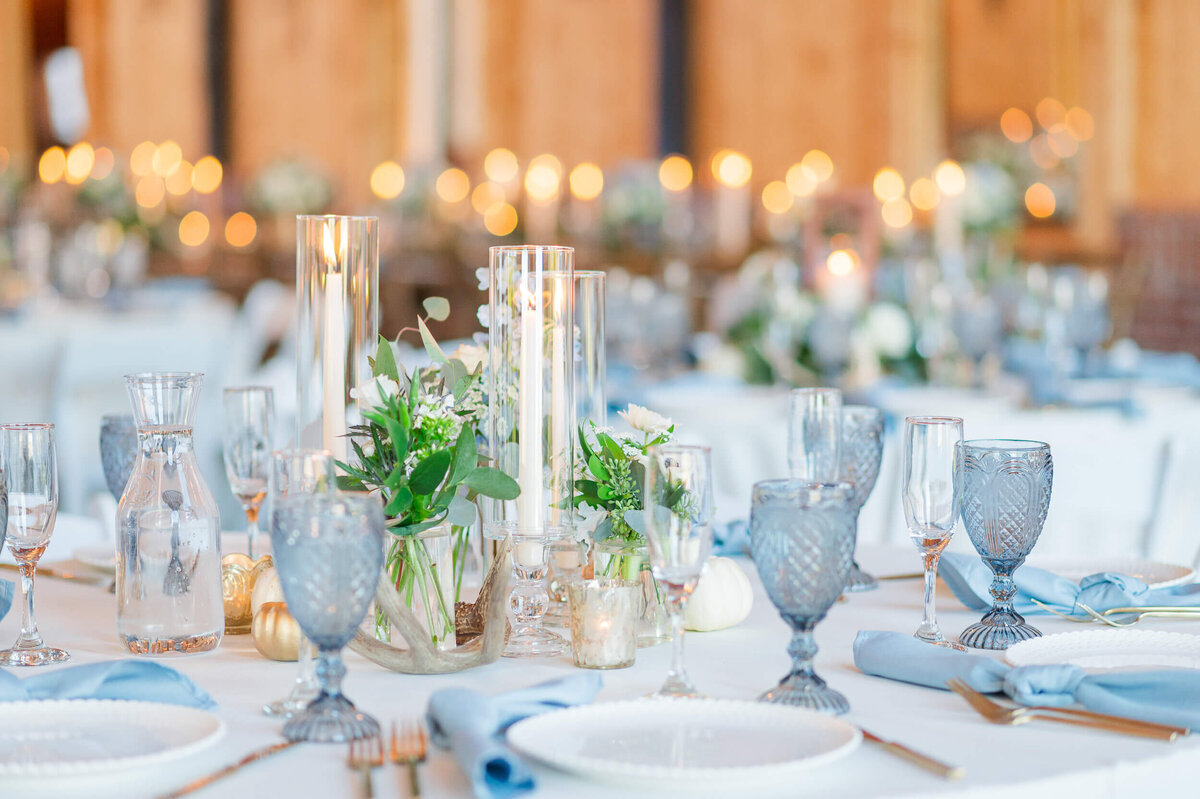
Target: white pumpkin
267, 588
722, 598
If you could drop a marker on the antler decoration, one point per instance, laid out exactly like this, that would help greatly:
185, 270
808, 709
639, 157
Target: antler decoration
483, 622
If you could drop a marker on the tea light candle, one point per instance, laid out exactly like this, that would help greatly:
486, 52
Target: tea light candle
603, 623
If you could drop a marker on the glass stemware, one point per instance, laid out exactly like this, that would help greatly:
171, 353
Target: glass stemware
802, 540
249, 413
1005, 497
931, 489
329, 553
296, 472
118, 450
862, 452
815, 434
678, 518
30, 463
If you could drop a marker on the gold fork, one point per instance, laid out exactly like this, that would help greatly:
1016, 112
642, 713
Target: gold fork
1166, 611
366, 754
409, 747
999, 714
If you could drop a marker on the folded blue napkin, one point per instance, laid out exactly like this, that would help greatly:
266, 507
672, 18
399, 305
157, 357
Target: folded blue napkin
471, 726
142, 680
732, 539
1166, 697
969, 577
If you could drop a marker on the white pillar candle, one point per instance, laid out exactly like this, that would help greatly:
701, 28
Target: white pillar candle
333, 365
529, 427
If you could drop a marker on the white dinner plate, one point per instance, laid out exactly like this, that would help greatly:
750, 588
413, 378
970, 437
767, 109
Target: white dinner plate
88, 736
692, 742
1105, 650
1151, 572
98, 557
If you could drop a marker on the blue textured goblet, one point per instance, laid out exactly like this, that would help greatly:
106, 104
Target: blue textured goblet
1006, 494
862, 452
802, 541
118, 451
329, 552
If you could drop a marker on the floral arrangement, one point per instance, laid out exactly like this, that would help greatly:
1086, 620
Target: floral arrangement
778, 332
612, 472
417, 448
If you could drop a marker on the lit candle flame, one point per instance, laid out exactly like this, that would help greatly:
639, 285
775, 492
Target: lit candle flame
334, 256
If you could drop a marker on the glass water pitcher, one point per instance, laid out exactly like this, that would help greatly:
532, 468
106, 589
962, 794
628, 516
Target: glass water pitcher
169, 567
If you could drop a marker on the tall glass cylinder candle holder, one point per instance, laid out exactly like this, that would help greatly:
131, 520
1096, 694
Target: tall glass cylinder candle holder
531, 385
337, 289
531, 423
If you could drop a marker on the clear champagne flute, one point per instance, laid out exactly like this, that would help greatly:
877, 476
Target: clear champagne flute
29, 461
815, 434
249, 414
678, 517
293, 472
932, 491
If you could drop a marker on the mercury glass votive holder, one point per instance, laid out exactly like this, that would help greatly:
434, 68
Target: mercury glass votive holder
604, 623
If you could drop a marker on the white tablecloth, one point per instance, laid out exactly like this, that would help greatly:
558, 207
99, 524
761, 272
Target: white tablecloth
1034, 760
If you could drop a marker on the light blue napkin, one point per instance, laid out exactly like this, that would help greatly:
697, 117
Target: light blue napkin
732, 539
1166, 697
142, 680
969, 577
471, 726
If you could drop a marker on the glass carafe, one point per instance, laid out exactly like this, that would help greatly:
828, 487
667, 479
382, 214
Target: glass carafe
169, 568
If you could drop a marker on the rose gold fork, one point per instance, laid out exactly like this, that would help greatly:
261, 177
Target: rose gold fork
366, 754
408, 747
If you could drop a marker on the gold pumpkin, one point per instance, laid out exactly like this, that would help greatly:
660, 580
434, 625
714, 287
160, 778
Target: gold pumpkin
276, 632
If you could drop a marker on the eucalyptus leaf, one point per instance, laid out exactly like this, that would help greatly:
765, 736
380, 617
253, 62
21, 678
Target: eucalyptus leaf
636, 519
414, 529
491, 482
385, 361
428, 474
466, 455
604, 529
461, 512
401, 501
431, 345
438, 308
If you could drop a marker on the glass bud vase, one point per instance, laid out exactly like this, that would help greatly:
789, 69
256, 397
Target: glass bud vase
621, 560
169, 558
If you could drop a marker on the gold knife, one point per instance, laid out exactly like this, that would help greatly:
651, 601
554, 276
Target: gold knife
943, 770
209, 779
57, 573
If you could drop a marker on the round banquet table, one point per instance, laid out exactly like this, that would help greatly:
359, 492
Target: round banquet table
1037, 759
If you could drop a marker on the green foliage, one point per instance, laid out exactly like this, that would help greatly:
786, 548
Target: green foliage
613, 475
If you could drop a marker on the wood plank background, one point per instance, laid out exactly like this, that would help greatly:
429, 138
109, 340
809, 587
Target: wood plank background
872, 82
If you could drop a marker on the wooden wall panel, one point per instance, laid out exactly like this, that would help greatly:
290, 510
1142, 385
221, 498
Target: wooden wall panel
317, 81
775, 78
145, 67
16, 122
576, 78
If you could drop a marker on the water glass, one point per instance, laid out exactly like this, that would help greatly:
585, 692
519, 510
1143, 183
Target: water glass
815, 434
329, 553
249, 414
862, 453
297, 472
930, 486
118, 450
802, 541
678, 518
1005, 497
29, 461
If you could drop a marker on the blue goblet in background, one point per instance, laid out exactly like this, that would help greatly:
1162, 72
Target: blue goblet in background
1005, 496
862, 452
802, 541
329, 552
118, 451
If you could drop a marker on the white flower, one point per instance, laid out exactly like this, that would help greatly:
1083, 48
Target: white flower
484, 315
484, 276
889, 330
645, 420
471, 355
374, 392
